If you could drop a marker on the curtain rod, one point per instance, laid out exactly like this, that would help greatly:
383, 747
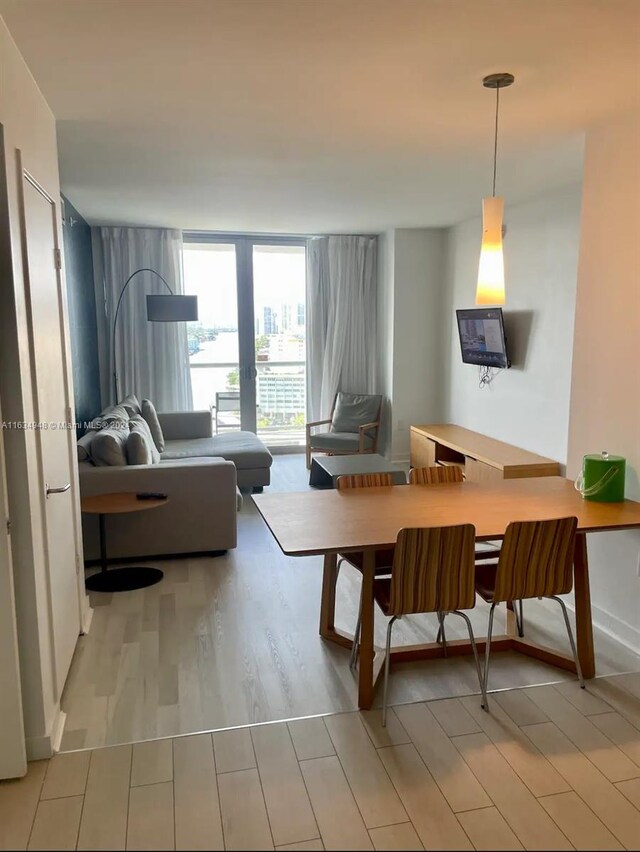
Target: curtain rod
264, 236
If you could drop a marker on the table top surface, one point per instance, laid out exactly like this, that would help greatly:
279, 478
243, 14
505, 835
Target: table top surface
357, 463
317, 522
118, 501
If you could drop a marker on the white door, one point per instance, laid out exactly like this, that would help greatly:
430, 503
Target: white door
45, 300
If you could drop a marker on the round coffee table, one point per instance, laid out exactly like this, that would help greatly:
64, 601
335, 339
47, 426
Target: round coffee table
119, 579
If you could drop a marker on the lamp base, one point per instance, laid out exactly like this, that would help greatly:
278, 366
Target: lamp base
124, 579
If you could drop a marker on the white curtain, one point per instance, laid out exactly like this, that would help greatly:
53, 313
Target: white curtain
152, 357
341, 319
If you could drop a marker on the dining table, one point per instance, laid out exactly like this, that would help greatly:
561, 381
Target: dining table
328, 523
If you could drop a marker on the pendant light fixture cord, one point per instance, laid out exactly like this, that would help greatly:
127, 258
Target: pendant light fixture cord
495, 142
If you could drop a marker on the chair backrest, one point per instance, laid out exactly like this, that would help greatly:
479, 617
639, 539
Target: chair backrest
364, 480
437, 475
536, 559
228, 400
433, 570
352, 410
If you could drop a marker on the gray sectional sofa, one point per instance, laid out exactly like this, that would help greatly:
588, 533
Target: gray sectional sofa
188, 435
200, 473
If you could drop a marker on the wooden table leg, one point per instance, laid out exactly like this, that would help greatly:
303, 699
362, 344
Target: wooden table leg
367, 650
328, 604
584, 626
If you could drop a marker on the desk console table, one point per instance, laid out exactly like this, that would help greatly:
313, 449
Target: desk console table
482, 459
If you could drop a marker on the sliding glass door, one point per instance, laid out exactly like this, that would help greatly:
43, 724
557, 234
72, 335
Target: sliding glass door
248, 348
210, 273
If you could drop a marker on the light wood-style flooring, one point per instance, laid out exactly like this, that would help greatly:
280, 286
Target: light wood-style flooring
234, 641
550, 767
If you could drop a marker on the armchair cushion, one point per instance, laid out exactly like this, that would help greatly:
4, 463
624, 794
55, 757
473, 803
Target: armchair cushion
339, 442
354, 410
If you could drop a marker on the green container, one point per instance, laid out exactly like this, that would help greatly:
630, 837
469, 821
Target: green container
602, 478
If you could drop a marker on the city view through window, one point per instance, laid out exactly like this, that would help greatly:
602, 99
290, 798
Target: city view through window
218, 379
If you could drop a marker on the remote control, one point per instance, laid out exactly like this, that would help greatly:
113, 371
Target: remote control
151, 495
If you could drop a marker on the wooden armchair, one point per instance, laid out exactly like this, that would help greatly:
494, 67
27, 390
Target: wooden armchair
354, 426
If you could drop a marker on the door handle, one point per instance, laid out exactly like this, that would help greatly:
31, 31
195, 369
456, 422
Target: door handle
59, 490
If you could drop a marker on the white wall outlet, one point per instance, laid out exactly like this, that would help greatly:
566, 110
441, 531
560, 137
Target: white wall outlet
402, 425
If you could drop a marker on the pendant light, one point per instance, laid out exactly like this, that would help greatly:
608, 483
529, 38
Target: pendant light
490, 289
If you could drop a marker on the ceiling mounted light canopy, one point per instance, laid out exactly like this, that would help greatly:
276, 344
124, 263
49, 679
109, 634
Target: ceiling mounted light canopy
490, 289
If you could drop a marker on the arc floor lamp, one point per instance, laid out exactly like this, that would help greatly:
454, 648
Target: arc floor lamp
160, 308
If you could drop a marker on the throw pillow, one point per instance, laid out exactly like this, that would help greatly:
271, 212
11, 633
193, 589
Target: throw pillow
107, 449
354, 410
138, 449
140, 446
84, 446
151, 416
131, 405
111, 414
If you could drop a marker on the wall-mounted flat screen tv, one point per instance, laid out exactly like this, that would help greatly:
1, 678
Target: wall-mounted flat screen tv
482, 337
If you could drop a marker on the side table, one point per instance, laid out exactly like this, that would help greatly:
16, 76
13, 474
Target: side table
119, 579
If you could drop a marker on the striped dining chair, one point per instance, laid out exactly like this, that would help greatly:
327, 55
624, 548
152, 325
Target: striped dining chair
433, 571
437, 474
440, 475
383, 558
536, 561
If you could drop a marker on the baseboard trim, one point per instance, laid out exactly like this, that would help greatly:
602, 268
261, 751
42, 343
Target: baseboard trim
87, 618
617, 629
404, 460
43, 748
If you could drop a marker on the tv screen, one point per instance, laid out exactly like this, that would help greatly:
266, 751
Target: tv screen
482, 337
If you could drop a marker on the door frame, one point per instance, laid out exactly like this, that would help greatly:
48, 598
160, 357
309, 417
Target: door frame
84, 610
244, 244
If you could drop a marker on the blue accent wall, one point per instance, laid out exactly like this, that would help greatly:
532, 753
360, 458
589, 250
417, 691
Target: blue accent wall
78, 260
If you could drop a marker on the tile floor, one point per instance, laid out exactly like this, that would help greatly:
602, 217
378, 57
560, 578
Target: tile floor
550, 767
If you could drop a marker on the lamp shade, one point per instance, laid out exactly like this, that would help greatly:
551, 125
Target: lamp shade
172, 308
490, 289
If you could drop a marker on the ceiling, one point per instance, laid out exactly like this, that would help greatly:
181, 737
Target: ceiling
309, 116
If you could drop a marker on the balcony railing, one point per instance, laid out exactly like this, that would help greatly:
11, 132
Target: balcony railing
283, 425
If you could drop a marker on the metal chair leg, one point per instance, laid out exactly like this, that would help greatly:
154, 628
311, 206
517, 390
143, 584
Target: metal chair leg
517, 611
571, 639
485, 700
387, 661
356, 636
488, 648
442, 636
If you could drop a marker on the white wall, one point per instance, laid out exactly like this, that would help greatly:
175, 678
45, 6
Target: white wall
13, 755
605, 392
386, 252
417, 332
29, 130
527, 405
